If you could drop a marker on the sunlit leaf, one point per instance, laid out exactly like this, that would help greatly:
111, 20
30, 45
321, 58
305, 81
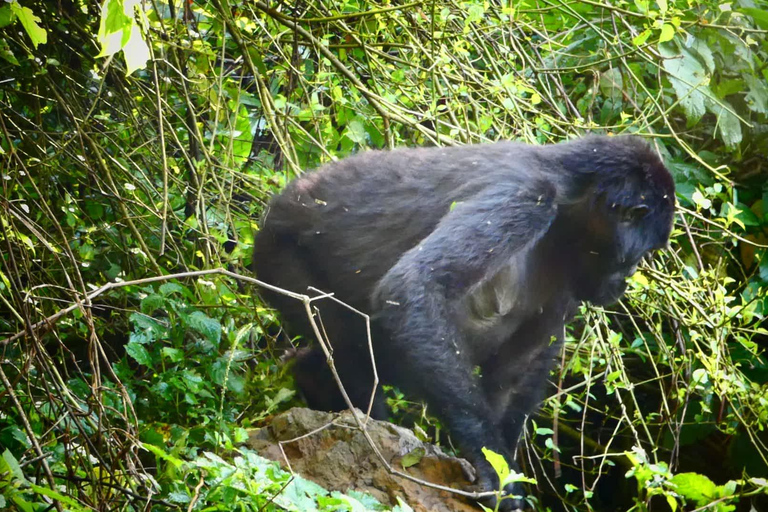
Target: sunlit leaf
135, 50
29, 21
667, 33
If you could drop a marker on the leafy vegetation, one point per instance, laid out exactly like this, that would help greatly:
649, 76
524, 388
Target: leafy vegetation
139, 140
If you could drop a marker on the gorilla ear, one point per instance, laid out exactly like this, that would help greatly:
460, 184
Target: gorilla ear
635, 213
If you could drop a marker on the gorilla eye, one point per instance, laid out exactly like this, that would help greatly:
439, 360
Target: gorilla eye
635, 213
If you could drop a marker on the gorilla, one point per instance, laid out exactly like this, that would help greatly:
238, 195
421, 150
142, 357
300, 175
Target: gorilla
467, 258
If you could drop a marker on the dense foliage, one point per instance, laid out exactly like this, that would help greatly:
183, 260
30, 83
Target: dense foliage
139, 140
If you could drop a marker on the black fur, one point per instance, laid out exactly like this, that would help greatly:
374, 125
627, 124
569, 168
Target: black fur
465, 256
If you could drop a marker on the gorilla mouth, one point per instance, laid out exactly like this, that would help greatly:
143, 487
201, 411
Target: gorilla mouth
611, 290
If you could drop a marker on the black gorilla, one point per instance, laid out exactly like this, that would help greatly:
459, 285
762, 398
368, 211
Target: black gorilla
466, 257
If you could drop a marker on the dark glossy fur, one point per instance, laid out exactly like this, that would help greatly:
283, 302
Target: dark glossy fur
465, 256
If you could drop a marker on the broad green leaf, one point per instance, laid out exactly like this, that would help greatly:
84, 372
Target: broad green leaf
57, 496
118, 30
694, 486
151, 302
612, 83
6, 16
171, 288
173, 354
757, 95
114, 27
205, 325
667, 33
759, 15
672, 502
701, 49
401, 506
688, 79
29, 21
139, 353
728, 125
356, 132
12, 465
701, 201
498, 463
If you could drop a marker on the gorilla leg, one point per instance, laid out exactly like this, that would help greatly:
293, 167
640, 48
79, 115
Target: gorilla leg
279, 262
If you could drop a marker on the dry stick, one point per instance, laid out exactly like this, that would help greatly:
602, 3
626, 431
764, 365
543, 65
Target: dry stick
279, 491
163, 154
303, 436
196, 495
306, 300
370, 344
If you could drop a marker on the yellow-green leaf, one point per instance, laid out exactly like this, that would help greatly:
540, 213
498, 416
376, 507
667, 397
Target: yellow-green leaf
412, 458
29, 21
667, 33
498, 463
642, 37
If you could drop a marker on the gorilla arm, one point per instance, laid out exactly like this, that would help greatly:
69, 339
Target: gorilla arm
417, 303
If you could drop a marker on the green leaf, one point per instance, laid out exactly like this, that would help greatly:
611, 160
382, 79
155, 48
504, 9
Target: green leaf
642, 37
759, 15
694, 486
158, 452
757, 95
401, 506
6, 16
118, 30
171, 288
146, 325
667, 33
13, 465
612, 83
498, 463
151, 303
139, 353
29, 21
702, 50
205, 325
56, 496
114, 27
728, 125
412, 458
356, 132
688, 79
672, 502
173, 354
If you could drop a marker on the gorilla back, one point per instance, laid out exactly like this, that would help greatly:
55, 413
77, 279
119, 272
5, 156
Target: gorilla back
466, 257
